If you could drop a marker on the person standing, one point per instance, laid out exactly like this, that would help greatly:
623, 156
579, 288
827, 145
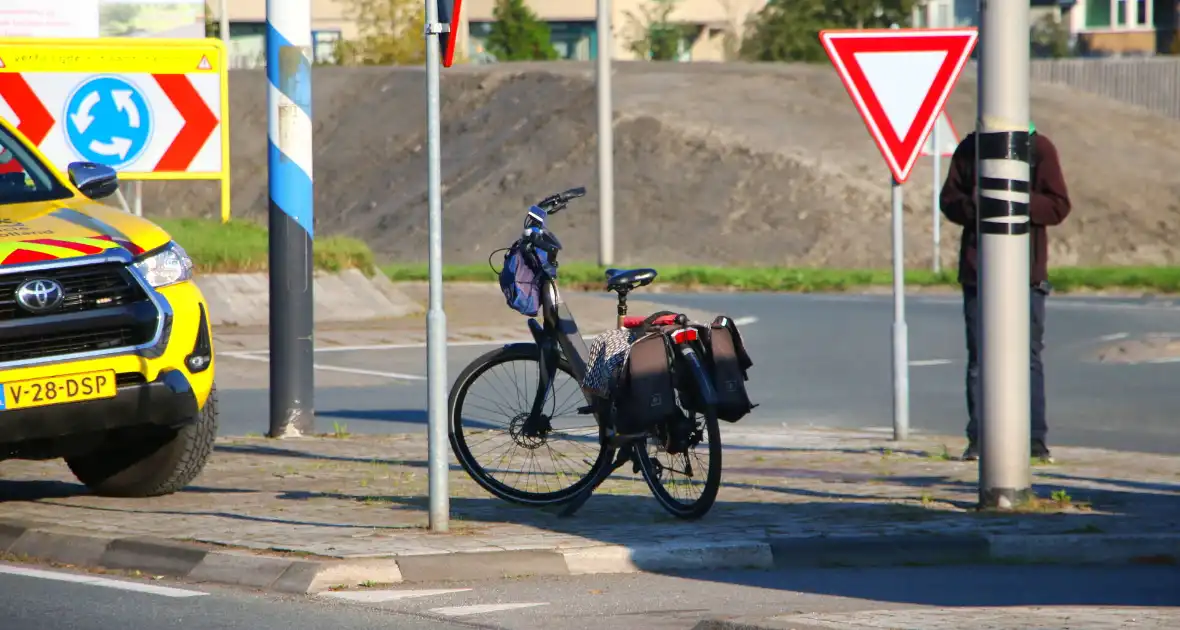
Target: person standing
1049, 206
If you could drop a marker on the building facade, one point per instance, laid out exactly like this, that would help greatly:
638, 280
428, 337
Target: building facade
708, 25
1096, 27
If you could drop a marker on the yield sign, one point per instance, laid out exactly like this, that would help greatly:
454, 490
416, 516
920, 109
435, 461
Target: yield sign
899, 80
948, 138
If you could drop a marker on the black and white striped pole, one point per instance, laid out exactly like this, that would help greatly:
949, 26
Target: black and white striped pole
1002, 202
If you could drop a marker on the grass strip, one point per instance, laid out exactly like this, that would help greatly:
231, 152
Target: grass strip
806, 280
242, 246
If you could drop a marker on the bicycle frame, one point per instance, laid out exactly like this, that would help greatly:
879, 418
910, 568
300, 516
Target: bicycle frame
557, 335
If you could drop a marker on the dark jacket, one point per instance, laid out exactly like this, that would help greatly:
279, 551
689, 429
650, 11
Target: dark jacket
1049, 206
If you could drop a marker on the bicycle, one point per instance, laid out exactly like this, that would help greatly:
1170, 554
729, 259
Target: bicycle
558, 349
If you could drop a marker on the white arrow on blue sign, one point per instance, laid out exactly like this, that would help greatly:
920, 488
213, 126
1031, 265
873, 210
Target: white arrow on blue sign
108, 121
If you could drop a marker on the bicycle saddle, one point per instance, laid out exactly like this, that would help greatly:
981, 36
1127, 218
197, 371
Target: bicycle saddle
628, 279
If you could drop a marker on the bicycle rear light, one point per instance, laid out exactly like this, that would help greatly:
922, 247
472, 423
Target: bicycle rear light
684, 335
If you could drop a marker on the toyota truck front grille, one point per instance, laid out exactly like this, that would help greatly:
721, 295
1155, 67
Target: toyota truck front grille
103, 309
85, 288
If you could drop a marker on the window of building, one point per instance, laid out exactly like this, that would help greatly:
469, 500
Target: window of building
324, 45
1108, 14
571, 40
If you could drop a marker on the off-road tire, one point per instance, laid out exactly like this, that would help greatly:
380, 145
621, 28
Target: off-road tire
154, 464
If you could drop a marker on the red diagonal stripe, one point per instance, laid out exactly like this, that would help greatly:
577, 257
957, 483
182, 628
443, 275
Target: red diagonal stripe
78, 247
21, 256
35, 120
199, 122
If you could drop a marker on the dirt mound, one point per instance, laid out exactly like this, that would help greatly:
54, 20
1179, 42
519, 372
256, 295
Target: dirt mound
715, 163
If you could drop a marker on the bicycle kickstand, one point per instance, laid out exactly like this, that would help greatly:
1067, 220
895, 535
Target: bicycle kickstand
574, 504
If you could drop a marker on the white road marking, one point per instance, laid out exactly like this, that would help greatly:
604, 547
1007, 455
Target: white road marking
928, 362
745, 321
1162, 360
1114, 336
332, 368
99, 581
373, 597
480, 609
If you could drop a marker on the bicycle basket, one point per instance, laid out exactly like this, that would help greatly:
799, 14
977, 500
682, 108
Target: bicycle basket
520, 282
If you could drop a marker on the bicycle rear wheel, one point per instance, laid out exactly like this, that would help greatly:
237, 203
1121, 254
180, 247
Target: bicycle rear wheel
673, 457
685, 483
488, 404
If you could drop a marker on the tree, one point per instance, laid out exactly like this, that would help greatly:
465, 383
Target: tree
788, 30
1050, 38
655, 36
390, 32
518, 35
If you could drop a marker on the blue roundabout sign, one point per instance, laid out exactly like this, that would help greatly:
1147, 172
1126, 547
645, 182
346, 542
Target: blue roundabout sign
108, 121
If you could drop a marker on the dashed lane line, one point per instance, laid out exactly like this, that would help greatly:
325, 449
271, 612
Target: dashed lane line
481, 609
377, 597
93, 580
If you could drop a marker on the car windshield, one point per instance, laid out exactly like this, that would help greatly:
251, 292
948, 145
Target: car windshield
23, 177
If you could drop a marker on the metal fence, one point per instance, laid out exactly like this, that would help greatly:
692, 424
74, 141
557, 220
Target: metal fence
1151, 83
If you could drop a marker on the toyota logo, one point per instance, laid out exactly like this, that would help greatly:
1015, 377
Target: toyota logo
39, 296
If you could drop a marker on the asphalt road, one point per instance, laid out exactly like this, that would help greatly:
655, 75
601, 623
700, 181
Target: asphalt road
914, 598
36, 603
825, 360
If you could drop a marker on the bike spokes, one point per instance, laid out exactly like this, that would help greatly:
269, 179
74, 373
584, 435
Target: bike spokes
679, 457
545, 458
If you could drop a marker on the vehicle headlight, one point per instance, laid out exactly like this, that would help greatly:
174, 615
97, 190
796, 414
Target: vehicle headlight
167, 266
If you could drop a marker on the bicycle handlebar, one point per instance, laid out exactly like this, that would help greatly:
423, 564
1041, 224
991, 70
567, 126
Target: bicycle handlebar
555, 203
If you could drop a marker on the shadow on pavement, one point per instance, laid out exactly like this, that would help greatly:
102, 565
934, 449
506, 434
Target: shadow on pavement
970, 586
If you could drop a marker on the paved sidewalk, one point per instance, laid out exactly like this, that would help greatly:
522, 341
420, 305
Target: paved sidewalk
964, 618
790, 497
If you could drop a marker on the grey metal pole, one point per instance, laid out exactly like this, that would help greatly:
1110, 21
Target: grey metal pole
223, 22
606, 142
436, 318
1002, 200
291, 220
139, 197
936, 167
901, 361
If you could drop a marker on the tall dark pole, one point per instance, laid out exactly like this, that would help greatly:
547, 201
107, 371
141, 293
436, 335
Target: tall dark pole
288, 71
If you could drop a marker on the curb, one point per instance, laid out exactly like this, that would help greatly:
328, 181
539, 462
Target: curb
243, 299
312, 574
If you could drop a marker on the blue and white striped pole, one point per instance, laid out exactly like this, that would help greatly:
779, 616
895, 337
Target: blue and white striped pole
288, 73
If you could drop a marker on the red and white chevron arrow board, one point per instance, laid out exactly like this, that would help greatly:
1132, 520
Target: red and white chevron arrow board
184, 110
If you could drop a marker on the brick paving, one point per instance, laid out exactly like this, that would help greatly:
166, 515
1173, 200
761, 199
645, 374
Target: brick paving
354, 497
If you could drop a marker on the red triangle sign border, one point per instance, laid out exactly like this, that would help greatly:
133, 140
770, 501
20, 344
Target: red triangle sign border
842, 46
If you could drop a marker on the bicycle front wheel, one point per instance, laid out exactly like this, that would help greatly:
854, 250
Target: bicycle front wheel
489, 403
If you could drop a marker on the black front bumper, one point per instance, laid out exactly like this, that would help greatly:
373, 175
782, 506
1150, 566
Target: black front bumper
167, 401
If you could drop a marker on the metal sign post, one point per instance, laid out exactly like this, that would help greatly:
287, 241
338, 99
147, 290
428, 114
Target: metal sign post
1002, 199
436, 317
936, 185
887, 72
606, 142
942, 144
901, 362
